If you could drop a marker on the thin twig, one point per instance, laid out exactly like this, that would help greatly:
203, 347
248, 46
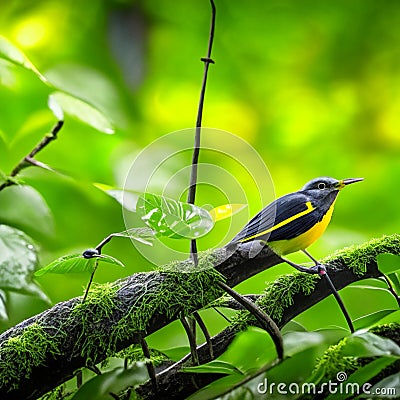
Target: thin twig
196, 151
265, 320
96, 263
206, 334
149, 363
29, 159
192, 341
391, 289
339, 301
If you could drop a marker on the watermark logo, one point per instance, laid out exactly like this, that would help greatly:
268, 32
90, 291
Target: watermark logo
340, 386
230, 171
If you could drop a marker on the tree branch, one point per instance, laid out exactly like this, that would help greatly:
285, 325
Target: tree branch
43, 351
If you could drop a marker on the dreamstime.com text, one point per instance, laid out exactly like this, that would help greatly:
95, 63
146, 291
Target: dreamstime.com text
330, 387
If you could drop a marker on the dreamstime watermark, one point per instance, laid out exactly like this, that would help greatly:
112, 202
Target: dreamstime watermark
330, 387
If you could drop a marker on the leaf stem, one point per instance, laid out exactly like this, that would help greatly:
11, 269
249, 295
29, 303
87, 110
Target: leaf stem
196, 151
96, 263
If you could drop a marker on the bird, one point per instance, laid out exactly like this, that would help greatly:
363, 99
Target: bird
294, 221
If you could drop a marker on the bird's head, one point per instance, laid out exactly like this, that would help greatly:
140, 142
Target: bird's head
325, 185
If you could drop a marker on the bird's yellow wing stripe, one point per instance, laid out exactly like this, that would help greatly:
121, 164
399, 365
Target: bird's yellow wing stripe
309, 209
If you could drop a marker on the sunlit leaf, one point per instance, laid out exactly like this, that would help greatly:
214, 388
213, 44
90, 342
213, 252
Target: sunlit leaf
388, 263
18, 260
55, 108
115, 381
24, 207
216, 388
83, 111
173, 218
368, 320
176, 353
215, 367
12, 53
76, 263
366, 344
393, 317
126, 197
72, 263
143, 235
227, 210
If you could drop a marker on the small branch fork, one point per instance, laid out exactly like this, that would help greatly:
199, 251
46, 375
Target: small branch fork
29, 160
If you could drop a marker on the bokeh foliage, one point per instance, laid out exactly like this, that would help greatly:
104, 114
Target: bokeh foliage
313, 86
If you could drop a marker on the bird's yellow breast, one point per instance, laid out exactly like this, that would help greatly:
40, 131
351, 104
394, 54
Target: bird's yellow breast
304, 240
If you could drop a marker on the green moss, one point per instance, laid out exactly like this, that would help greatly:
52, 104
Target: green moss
91, 314
279, 295
332, 362
178, 290
357, 257
20, 354
179, 293
134, 353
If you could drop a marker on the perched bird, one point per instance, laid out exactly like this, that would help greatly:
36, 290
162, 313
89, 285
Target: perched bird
295, 221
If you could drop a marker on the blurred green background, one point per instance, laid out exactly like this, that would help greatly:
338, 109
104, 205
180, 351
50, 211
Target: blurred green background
314, 87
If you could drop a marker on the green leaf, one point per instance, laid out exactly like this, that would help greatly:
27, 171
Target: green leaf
126, 197
143, 235
83, 111
225, 211
216, 388
369, 320
393, 317
110, 260
76, 263
173, 218
388, 263
366, 344
176, 353
55, 108
18, 260
73, 263
12, 53
25, 208
361, 376
215, 367
100, 387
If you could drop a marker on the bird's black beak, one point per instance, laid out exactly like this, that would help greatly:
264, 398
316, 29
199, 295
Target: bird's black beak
344, 182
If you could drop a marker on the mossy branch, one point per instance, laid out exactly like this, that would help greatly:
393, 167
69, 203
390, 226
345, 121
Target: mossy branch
48, 348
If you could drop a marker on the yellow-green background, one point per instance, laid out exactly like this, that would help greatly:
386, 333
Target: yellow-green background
313, 86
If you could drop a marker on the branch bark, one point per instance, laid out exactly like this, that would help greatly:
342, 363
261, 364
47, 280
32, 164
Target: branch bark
58, 365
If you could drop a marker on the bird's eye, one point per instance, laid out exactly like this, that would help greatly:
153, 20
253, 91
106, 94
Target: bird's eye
321, 185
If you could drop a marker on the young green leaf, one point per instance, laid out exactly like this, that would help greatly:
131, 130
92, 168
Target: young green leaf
369, 320
143, 235
83, 111
18, 260
227, 210
115, 381
388, 263
176, 353
215, 367
12, 53
76, 263
173, 218
73, 263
